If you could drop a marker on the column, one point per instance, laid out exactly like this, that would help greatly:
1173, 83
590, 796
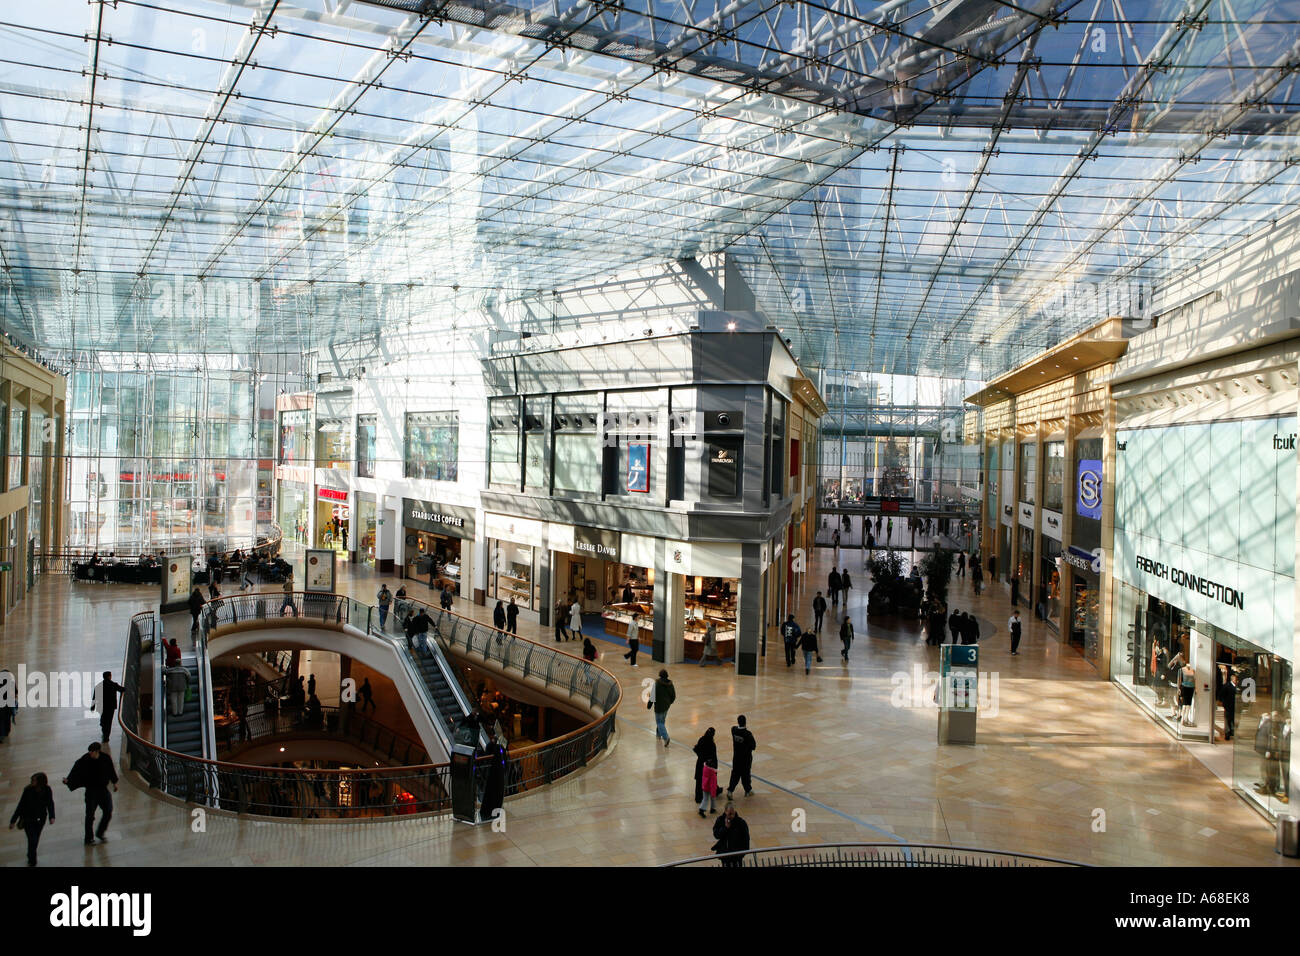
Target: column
543, 585
749, 611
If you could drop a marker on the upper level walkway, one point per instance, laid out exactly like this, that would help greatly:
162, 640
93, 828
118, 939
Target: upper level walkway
850, 745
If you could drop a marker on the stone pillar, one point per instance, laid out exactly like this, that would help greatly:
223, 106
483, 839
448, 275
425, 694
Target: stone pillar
749, 616
543, 584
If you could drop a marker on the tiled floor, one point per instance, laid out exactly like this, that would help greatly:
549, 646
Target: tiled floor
1067, 767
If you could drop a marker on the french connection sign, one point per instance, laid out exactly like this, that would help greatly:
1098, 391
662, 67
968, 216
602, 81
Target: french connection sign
1205, 519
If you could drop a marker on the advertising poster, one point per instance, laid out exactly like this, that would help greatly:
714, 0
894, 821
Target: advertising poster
638, 466
320, 570
177, 582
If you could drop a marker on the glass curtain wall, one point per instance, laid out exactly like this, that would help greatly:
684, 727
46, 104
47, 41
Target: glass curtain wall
896, 436
172, 452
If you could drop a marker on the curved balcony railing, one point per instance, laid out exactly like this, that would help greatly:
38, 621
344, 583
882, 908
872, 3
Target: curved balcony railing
280, 792
872, 855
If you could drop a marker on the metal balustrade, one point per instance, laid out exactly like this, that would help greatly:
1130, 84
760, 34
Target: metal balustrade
344, 794
872, 855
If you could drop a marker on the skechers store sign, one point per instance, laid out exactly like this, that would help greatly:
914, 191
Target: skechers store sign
1194, 582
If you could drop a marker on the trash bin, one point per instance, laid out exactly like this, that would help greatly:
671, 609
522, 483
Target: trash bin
1288, 836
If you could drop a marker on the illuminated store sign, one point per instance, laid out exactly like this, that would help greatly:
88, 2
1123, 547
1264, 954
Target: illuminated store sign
1087, 501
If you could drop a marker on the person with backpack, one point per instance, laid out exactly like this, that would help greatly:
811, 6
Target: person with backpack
846, 637
790, 634
662, 695
819, 611
35, 806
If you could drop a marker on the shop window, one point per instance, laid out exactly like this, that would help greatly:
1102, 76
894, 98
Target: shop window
333, 443
1028, 472
367, 428
503, 442
631, 424
17, 439
1054, 475
536, 412
579, 454
295, 448
776, 469
432, 445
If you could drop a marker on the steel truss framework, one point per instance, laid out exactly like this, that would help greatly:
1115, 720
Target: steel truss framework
915, 186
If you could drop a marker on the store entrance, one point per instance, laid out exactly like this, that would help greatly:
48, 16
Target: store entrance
332, 525
434, 558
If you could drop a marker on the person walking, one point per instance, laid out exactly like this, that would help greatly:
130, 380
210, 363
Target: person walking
512, 617
1013, 626
710, 649
177, 682
705, 749
419, 630
808, 643
833, 586
575, 619
95, 772
790, 634
35, 806
499, 616
367, 695
662, 695
845, 585
731, 833
961, 564
588, 656
385, 601
196, 606
8, 702
709, 786
846, 637
743, 746
971, 634
1015, 589
976, 576
819, 611
954, 625
633, 638
106, 695
445, 598
561, 622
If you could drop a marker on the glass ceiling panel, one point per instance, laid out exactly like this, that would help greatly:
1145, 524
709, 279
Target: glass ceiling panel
904, 183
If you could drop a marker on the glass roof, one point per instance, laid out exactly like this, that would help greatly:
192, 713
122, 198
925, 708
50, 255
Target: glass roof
910, 186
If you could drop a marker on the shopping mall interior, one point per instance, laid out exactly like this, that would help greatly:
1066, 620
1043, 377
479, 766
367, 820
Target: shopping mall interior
596, 433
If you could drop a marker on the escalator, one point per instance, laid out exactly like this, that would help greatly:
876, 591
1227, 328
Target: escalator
184, 733
429, 663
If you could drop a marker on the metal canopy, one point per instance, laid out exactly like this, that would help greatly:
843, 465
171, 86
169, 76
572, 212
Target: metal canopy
910, 186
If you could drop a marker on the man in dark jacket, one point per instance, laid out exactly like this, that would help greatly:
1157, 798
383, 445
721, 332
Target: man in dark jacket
662, 695
845, 583
808, 643
106, 695
833, 585
417, 628
732, 835
512, 617
819, 611
1228, 698
790, 634
954, 626
743, 746
94, 770
971, 630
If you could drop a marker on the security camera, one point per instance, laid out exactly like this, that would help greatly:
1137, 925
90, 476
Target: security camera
724, 419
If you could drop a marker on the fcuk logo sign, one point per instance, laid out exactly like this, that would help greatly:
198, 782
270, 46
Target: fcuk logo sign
1284, 442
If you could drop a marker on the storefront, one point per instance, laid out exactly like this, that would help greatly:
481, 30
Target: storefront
436, 543
1204, 591
364, 530
514, 547
1024, 574
293, 509
605, 572
333, 518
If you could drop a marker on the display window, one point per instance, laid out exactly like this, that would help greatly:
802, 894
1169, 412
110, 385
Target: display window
628, 590
365, 529
1049, 584
711, 602
511, 573
293, 512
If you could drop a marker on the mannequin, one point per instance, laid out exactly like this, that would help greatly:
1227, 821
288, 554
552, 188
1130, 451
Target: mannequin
1187, 694
1272, 742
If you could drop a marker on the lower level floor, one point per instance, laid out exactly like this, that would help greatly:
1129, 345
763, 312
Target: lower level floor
1065, 765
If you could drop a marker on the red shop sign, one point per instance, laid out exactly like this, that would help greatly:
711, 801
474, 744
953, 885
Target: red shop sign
331, 495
